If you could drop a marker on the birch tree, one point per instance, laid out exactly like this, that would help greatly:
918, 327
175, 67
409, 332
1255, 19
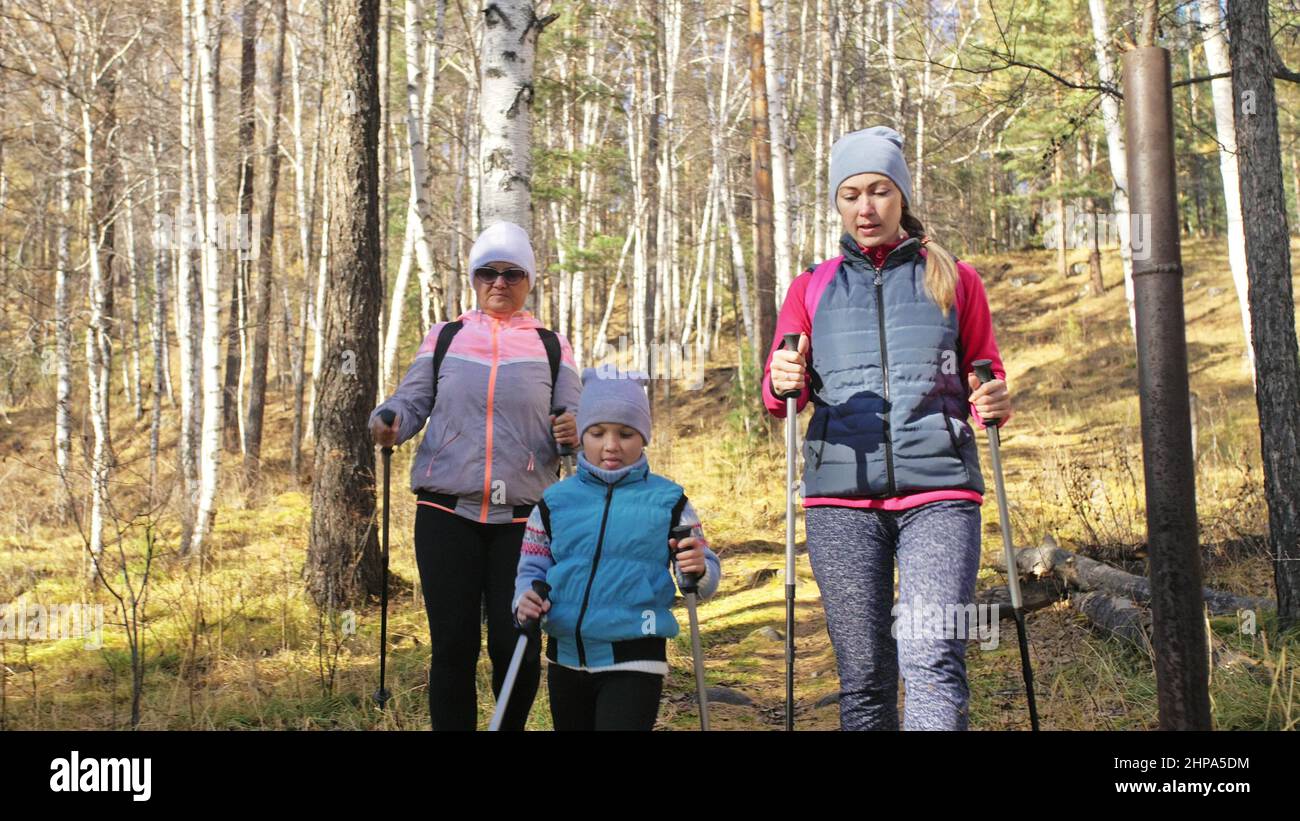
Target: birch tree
510, 32
1216, 55
210, 446
1114, 147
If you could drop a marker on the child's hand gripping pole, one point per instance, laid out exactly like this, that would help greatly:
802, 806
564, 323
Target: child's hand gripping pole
690, 585
791, 343
381, 695
528, 631
984, 372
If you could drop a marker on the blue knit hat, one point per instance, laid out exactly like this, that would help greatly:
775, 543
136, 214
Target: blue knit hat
620, 400
875, 150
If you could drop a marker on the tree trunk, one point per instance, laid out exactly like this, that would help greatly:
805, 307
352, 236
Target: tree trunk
262, 305
98, 362
343, 561
418, 154
236, 323
780, 155
133, 275
189, 318
1272, 303
1216, 56
1058, 180
761, 157
62, 312
159, 317
1115, 149
210, 456
511, 28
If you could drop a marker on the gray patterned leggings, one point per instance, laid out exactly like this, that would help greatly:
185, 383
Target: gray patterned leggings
852, 552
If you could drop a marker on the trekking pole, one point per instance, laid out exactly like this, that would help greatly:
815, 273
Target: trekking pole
791, 343
565, 451
690, 589
381, 695
984, 371
529, 630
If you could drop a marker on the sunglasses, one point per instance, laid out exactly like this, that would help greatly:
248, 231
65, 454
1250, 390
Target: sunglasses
488, 276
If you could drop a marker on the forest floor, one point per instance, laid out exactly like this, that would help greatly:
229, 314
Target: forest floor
234, 642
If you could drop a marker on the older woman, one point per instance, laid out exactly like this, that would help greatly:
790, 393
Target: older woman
888, 332
486, 383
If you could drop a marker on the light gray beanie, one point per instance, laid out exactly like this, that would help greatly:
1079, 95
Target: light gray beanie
875, 150
620, 399
504, 242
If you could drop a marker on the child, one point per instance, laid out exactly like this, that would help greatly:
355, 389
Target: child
600, 538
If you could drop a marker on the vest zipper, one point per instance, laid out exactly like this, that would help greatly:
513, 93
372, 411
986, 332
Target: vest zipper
595, 563
884, 366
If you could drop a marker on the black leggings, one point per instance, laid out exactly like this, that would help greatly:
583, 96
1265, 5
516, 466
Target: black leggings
614, 700
462, 562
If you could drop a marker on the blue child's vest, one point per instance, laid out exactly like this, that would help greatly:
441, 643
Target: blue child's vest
611, 589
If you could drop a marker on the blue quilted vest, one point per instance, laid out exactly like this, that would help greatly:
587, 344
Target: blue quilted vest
611, 588
890, 404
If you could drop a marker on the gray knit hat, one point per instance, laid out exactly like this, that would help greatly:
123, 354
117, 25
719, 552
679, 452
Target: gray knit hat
504, 242
875, 150
618, 398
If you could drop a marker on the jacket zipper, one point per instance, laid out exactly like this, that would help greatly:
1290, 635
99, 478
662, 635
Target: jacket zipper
595, 563
491, 401
884, 366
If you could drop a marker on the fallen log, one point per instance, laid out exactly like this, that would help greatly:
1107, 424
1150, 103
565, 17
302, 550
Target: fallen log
1035, 594
1115, 616
1082, 573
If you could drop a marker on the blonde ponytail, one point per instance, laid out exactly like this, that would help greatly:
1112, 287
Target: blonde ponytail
940, 266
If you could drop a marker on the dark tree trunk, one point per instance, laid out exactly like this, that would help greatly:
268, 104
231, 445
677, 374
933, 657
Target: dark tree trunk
343, 561
761, 157
1272, 303
262, 305
238, 307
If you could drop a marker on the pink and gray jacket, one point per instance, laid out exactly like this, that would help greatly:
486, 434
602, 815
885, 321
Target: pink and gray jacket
488, 451
887, 373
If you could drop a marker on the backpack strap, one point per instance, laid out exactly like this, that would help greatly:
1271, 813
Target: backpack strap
677, 511
546, 516
821, 277
552, 344
440, 353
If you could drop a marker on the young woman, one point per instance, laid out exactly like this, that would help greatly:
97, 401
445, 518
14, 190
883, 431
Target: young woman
490, 449
888, 332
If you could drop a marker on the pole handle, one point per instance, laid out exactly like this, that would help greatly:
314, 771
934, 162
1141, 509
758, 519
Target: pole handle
984, 372
690, 581
543, 590
387, 415
790, 342
564, 450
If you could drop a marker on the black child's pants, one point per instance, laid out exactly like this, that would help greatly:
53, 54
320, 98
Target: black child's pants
613, 700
